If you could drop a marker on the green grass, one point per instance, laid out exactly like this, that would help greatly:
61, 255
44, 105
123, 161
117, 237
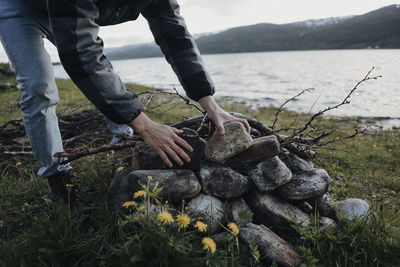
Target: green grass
366, 167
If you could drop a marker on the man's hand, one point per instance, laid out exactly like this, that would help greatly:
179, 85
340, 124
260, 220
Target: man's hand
164, 140
219, 116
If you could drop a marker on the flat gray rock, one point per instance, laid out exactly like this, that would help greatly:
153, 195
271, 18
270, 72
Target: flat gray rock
353, 208
270, 174
306, 185
221, 181
295, 163
209, 208
235, 140
270, 244
177, 185
274, 211
263, 148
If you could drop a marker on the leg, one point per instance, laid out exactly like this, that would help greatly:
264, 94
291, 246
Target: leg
22, 38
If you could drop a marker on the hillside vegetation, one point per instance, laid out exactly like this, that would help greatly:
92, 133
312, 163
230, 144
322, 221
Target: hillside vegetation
376, 29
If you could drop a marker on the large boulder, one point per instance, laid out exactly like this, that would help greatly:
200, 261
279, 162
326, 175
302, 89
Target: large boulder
270, 244
145, 158
221, 181
177, 185
306, 185
353, 208
269, 174
273, 211
235, 140
209, 208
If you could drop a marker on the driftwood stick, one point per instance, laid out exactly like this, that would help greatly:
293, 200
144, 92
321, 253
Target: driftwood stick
71, 156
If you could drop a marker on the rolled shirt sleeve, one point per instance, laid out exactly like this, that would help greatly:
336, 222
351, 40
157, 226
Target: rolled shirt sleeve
177, 44
81, 53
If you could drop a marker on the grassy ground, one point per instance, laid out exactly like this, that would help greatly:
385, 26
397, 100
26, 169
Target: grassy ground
366, 167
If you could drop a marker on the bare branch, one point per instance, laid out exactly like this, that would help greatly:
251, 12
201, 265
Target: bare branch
280, 109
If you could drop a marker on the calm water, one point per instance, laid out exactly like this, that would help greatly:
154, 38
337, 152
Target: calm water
268, 78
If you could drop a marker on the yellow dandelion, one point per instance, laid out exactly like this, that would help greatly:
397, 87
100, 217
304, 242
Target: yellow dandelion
202, 227
19, 163
183, 220
209, 244
128, 204
233, 226
140, 193
69, 185
141, 208
149, 178
165, 217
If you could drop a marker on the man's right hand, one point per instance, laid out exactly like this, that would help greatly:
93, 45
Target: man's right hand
163, 139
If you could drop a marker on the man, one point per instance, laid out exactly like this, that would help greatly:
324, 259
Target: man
72, 26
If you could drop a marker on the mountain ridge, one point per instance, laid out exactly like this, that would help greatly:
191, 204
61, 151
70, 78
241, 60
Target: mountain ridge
375, 29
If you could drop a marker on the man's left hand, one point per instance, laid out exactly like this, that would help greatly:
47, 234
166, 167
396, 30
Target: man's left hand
219, 116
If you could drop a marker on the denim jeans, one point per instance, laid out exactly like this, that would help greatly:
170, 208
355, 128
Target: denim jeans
22, 30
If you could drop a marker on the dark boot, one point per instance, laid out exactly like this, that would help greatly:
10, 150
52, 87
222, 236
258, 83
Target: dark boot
65, 189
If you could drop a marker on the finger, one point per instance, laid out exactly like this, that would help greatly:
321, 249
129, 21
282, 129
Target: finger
246, 124
220, 128
180, 152
177, 131
173, 155
164, 158
183, 143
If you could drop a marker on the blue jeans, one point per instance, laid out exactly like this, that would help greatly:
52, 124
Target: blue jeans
22, 30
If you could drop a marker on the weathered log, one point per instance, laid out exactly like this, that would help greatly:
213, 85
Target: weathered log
221, 181
270, 244
273, 211
263, 148
306, 185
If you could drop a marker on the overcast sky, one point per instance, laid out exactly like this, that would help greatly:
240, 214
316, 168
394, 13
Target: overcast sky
214, 15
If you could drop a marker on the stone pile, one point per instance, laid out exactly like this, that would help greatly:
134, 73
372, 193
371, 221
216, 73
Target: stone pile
254, 175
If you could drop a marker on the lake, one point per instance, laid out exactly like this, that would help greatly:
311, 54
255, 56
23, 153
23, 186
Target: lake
266, 78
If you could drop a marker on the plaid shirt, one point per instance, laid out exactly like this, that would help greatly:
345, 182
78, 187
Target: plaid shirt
75, 25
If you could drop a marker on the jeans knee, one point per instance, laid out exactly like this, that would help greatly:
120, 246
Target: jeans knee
38, 92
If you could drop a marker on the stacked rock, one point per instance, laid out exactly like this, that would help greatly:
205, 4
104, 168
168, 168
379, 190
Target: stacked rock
254, 175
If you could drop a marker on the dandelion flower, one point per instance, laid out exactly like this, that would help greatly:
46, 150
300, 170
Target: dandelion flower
233, 226
128, 204
69, 185
202, 227
149, 178
183, 220
141, 208
19, 163
209, 244
140, 193
165, 217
